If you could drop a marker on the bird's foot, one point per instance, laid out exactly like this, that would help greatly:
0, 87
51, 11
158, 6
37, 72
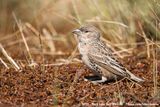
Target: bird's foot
96, 79
92, 78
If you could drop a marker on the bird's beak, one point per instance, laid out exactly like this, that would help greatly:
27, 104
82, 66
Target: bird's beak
76, 31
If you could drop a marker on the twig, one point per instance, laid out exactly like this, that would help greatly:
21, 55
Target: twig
4, 63
126, 79
9, 58
124, 50
110, 46
156, 44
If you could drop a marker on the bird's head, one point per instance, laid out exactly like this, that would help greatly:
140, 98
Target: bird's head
87, 33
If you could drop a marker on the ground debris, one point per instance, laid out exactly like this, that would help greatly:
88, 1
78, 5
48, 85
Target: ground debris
65, 85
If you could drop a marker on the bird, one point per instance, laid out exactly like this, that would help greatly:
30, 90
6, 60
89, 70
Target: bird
98, 56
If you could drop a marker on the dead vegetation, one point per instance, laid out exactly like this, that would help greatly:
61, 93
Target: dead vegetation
40, 64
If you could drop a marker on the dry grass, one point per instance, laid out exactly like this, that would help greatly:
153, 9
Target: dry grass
40, 32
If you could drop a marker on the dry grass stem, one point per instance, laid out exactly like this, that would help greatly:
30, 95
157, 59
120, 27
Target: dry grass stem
145, 38
28, 25
108, 22
41, 65
1, 60
68, 19
49, 43
60, 64
76, 11
95, 4
129, 50
155, 72
156, 44
16, 42
9, 36
52, 29
73, 54
109, 44
9, 58
41, 47
133, 44
59, 53
25, 42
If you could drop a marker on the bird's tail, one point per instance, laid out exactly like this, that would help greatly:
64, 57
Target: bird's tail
134, 78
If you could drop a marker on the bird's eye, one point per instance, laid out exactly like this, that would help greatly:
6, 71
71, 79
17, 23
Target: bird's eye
86, 31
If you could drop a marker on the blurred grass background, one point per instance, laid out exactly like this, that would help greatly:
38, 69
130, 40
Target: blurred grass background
121, 21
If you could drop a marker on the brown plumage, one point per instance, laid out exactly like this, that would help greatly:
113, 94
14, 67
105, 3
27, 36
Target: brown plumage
98, 56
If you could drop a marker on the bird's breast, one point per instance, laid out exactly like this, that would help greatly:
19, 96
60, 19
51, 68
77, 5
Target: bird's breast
83, 48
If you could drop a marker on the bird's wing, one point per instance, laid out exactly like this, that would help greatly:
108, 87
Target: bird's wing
107, 61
